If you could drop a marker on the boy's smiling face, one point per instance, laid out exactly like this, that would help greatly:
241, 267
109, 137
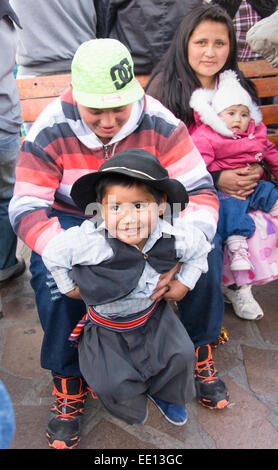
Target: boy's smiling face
131, 213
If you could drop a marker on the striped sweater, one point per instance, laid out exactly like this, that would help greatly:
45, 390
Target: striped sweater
60, 148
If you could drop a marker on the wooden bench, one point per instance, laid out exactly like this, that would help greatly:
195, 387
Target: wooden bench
265, 79
36, 93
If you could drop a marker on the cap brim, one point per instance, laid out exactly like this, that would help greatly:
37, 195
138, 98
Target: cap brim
130, 94
83, 190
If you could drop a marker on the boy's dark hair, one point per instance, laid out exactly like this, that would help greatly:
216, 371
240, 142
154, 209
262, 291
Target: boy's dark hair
107, 181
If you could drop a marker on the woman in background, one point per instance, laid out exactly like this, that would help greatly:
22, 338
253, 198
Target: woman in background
203, 47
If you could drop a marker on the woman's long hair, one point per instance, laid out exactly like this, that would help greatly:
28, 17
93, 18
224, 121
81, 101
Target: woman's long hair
175, 77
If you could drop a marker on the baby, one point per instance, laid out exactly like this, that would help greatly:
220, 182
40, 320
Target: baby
131, 347
230, 134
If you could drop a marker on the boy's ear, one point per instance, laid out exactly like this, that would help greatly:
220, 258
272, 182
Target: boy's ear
162, 205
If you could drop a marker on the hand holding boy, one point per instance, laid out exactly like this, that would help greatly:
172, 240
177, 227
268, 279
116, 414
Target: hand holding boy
74, 294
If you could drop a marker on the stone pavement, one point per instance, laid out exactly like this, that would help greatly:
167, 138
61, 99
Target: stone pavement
247, 362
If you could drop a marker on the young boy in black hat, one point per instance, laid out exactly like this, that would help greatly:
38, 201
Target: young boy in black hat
131, 347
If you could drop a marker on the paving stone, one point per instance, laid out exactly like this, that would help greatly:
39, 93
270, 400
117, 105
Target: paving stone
46, 391
21, 309
243, 425
16, 386
236, 327
268, 325
30, 427
22, 350
107, 435
224, 359
261, 369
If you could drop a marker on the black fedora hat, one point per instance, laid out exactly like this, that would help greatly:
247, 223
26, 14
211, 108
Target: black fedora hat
138, 164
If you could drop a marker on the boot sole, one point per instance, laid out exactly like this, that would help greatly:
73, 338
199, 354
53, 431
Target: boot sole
219, 405
61, 444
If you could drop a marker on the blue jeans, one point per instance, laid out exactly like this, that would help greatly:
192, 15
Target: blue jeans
201, 310
7, 419
9, 149
233, 213
58, 313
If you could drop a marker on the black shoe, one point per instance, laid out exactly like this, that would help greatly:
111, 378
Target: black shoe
63, 428
210, 389
14, 272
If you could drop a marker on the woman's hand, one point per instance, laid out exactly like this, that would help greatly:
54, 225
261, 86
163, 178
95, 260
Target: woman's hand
164, 283
240, 182
74, 294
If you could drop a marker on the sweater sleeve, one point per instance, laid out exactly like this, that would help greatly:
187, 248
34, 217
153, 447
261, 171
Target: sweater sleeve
37, 178
41, 183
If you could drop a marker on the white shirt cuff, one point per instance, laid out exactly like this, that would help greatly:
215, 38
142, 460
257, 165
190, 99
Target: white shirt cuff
64, 282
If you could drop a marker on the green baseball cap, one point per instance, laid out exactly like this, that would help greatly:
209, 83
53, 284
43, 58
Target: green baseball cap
103, 75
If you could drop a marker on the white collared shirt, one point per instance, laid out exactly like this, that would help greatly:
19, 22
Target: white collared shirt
85, 245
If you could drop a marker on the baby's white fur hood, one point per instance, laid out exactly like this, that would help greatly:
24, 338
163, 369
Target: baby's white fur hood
201, 103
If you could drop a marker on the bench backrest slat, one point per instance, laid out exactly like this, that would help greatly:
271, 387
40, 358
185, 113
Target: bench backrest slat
265, 78
36, 93
42, 87
257, 68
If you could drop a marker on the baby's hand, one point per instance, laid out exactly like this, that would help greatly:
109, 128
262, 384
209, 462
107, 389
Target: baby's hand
176, 291
74, 294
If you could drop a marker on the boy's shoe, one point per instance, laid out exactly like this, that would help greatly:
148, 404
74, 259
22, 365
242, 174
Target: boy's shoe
174, 413
243, 302
211, 391
7, 275
63, 428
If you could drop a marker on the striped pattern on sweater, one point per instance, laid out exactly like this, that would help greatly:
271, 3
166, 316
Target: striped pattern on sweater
60, 148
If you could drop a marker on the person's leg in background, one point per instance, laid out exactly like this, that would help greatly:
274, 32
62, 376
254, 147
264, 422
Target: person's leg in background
201, 312
10, 267
59, 315
264, 197
7, 419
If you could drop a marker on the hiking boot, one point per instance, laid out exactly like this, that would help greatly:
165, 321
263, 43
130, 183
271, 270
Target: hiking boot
211, 391
63, 428
243, 302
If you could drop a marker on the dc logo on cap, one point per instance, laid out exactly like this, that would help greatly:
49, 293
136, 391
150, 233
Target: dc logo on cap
121, 74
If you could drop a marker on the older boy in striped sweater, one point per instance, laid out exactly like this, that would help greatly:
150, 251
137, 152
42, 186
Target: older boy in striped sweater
103, 112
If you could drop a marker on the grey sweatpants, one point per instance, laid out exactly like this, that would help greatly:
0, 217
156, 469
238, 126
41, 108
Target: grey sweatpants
123, 368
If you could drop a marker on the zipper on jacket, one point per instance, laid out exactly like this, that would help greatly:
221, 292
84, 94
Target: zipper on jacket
105, 149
